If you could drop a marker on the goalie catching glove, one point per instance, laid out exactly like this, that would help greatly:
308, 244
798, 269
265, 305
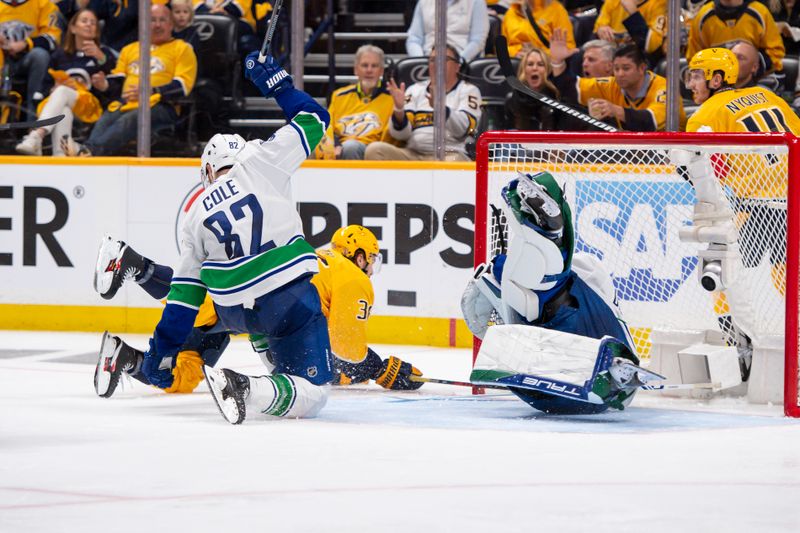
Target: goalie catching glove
392, 373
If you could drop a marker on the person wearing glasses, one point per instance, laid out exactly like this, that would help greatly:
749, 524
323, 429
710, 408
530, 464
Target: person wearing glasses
412, 117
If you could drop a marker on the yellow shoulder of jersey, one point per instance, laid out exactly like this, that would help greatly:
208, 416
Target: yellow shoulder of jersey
752, 109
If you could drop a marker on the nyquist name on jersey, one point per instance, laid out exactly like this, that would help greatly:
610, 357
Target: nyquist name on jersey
224, 192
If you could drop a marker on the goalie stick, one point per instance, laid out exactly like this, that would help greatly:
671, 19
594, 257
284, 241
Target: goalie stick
665, 386
501, 49
273, 23
31, 124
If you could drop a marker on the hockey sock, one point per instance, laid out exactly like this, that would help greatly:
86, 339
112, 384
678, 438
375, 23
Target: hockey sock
286, 396
155, 280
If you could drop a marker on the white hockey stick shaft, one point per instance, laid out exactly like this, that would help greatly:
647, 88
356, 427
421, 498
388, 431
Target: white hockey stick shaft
681, 386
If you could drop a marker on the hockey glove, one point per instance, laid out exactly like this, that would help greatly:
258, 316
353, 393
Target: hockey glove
395, 374
157, 370
268, 77
187, 374
347, 373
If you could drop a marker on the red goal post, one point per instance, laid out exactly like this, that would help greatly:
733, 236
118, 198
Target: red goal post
628, 202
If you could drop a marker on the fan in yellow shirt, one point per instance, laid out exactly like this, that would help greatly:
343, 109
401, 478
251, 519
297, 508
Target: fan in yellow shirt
532, 22
346, 295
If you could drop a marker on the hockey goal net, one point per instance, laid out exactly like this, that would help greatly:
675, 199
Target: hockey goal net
629, 202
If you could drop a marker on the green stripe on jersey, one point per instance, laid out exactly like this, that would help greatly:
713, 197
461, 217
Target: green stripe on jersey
488, 375
312, 128
188, 294
284, 397
222, 277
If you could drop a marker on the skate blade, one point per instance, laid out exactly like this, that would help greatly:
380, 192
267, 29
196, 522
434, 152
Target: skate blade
105, 361
103, 270
230, 409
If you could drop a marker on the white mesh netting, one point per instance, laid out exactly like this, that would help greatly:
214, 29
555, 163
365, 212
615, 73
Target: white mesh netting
628, 204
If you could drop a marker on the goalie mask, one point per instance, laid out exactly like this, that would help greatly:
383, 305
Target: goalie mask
220, 152
349, 240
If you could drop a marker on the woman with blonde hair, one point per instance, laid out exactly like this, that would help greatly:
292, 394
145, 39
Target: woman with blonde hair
524, 112
72, 68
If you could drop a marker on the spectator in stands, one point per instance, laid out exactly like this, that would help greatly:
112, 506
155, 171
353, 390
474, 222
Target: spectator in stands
173, 69
532, 22
634, 99
725, 20
240, 10
467, 28
29, 33
72, 68
598, 57
183, 15
120, 21
412, 117
523, 112
751, 67
498, 8
360, 113
643, 21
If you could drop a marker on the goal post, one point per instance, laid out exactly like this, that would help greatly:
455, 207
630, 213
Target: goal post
629, 202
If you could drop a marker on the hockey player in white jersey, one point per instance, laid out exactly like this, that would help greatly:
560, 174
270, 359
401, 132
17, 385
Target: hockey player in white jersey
556, 339
242, 242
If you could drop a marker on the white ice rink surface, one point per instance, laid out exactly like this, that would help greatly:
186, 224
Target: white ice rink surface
433, 460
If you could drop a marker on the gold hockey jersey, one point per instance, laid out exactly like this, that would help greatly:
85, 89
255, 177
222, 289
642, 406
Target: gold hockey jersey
347, 296
752, 109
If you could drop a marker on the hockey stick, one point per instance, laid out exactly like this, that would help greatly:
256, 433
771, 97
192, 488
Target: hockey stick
273, 23
501, 49
423, 379
666, 386
681, 386
31, 124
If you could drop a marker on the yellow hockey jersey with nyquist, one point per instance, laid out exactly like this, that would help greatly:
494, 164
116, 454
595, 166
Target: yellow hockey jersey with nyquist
347, 296
753, 109
174, 60
654, 13
654, 100
33, 21
755, 24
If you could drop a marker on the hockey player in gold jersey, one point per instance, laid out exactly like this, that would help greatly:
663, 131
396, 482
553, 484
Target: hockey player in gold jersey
346, 296
757, 184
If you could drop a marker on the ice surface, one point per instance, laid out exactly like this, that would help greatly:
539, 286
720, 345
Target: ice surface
437, 459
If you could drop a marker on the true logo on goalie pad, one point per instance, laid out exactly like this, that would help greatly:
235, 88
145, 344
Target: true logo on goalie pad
551, 386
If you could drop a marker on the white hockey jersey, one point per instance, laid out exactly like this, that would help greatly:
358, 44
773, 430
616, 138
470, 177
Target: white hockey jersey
463, 112
243, 236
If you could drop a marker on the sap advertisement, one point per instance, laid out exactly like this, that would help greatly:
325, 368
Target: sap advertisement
52, 217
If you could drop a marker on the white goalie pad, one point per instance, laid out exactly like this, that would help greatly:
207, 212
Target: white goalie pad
540, 352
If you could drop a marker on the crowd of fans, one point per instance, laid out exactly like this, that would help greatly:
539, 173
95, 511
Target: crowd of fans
603, 56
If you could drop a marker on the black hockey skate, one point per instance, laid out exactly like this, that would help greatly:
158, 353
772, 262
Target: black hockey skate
116, 262
115, 358
229, 390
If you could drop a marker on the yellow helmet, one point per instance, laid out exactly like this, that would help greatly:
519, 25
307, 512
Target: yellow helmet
711, 60
347, 241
